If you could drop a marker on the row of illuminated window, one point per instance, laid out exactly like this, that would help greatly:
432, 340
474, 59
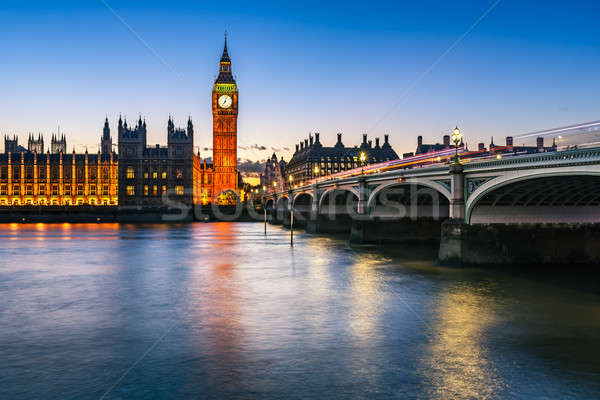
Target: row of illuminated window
130, 190
54, 172
177, 174
78, 190
56, 202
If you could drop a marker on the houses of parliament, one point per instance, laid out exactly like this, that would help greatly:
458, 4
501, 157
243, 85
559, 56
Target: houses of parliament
137, 174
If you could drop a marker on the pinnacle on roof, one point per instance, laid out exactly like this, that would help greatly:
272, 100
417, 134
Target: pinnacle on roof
225, 55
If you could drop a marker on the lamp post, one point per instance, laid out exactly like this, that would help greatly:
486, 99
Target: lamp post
457, 136
317, 173
291, 178
362, 158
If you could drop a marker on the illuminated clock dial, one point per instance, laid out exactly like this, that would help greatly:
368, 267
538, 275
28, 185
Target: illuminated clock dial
225, 101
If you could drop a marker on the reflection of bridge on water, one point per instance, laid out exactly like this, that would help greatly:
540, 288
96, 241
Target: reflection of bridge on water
530, 208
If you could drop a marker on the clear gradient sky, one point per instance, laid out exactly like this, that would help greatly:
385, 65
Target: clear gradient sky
300, 67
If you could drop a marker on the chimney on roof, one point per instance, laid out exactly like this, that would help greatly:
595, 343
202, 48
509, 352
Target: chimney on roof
386, 138
339, 138
419, 140
364, 138
447, 140
301, 145
509, 140
481, 146
297, 146
310, 139
317, 137
540, 143
305, 142
370, 143
376, 142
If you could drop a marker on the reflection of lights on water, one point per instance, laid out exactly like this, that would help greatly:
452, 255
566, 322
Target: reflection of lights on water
458, 362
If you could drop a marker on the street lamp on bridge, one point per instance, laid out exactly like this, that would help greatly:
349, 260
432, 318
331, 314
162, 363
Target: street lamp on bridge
317, 173
362, 158
457, 136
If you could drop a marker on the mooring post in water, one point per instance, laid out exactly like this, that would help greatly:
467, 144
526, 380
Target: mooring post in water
292, 227
265, 210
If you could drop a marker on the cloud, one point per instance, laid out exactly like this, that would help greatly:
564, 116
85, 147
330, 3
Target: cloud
258, 147
250, 166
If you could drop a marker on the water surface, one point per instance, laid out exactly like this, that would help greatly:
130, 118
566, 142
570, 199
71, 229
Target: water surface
221, 311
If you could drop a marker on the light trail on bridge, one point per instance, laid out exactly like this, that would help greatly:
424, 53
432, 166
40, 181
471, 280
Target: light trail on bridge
570, 130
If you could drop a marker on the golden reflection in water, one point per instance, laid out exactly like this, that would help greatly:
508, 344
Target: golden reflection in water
316, 285
366, 302
458, 363
222, 319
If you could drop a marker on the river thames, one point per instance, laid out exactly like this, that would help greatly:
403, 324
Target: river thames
218, 310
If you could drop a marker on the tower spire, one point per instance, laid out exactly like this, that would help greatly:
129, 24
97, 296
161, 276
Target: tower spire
225, 74
225, 55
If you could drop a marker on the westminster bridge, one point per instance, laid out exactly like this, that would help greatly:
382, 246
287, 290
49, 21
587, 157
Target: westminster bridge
540, 207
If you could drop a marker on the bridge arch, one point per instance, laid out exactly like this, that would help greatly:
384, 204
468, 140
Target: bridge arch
269, 205
537, 196
282, 201
429, 184
300, 196
327, 193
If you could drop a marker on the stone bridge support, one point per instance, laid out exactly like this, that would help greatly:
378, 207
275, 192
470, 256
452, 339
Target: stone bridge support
312, 225
360, 221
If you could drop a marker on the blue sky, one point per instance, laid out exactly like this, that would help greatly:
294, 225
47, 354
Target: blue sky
300, 67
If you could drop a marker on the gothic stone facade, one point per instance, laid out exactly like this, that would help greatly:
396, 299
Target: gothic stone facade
154, 175
29, 177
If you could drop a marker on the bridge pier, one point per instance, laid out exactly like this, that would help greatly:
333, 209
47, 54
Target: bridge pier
324, 223
457, 183
530, 244
401, 230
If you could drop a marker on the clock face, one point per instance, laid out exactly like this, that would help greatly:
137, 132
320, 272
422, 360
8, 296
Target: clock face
225, 101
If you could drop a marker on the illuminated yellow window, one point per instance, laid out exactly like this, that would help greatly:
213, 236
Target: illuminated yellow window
146, 175
154, 190
105, 190
145, 190
92, 190
54, 190
179, 190
164, 174
3, 190
130, 173
16, 190
29, 190
155, 175
79, 190
67, 190
179, 173
42, 190
164, 189
130, 190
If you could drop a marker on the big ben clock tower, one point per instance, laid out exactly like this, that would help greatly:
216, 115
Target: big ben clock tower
225, 112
